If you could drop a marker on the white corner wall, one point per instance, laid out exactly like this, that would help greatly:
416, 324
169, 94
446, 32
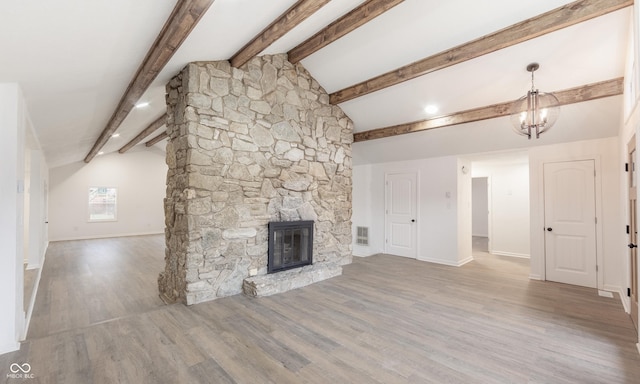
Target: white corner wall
140, 177
362, 211
38, 240
12, 126
464, 196
610, 233
438, 204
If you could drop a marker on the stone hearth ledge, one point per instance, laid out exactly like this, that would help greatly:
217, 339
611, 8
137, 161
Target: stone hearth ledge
271, 284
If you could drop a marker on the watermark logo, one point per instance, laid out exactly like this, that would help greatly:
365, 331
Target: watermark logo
24, 368
20, 371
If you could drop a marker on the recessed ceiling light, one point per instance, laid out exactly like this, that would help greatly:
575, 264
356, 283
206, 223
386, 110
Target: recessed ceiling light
142, 104
101, 153
431, 109
115, 135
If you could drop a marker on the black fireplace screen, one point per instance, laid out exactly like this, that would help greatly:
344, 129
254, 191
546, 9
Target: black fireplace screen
290, 245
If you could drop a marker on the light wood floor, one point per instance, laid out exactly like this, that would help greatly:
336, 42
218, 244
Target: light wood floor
387, 319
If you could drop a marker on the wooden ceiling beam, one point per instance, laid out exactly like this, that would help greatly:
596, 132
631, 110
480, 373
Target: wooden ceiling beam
181, 22
569, 96
562, 17
146, 132
157, 139
347, 23
293, 16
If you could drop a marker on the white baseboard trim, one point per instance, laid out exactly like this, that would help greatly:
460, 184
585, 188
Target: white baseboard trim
361, 254
510, 254
32, 301
447, 262
363, 251
22, 326
465, 261
535, 276
109, 236
32, 266
603, 293
626, 304
9, 347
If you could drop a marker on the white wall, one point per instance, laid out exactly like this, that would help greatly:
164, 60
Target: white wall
26, 203
362, 210
480, 207
140, 177
465, 243
12, 122
438, 204
38, 216
610, 234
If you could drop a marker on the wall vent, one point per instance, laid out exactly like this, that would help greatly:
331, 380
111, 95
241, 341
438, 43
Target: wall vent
362, 235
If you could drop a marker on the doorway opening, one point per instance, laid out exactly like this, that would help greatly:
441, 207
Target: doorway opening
501, 181
480, 214
500, 207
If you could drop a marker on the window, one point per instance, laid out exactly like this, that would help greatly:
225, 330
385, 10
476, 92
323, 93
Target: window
102, 204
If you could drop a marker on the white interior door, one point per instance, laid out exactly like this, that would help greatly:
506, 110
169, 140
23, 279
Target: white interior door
570, 223
401, 214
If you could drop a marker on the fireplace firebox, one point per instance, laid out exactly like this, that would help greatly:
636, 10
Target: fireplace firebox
290, 245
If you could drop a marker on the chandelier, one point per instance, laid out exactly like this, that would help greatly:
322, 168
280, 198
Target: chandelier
535, 112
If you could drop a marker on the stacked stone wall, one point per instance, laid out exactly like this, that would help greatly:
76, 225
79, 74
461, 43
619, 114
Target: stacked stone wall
248, 146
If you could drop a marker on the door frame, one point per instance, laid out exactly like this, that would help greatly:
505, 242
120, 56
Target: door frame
489, 214
632, 192
587, 273
489, 210
537, 216
386, 206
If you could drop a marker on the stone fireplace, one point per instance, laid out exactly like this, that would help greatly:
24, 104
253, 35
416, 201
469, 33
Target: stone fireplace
290, 245
249, 146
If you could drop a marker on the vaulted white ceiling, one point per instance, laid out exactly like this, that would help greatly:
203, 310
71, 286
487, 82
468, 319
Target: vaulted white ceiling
75, 58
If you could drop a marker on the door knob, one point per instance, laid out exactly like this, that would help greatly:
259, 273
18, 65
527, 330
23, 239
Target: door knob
549, 229
631, 245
